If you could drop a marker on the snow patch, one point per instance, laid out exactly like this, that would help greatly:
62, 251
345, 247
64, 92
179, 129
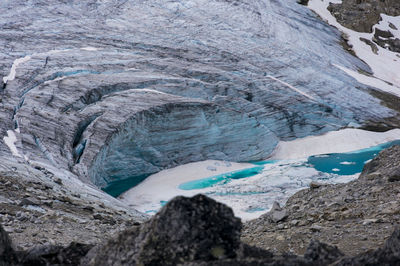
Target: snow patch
89, 48
347, 163
345, 140
14, 66
371, 81
292, 87
10, 142
18, 61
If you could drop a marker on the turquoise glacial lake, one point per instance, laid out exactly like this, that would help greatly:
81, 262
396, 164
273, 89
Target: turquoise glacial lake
343, 164
349, 163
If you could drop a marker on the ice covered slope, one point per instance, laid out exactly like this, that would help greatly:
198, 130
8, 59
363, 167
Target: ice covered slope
110, 89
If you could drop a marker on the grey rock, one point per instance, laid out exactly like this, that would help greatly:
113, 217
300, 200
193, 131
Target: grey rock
316, 228
386, 40
56, 255
314, 185
322, 253
374, 48
394, 175
392, 26
7, 253
29, 201
276, 214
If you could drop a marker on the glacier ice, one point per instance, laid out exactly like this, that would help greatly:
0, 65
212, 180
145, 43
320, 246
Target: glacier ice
120, 90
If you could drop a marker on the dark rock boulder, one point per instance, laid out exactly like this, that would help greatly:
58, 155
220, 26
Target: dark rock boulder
7, 254
56, 255
186, 229
322, 253
303, 2
386, 40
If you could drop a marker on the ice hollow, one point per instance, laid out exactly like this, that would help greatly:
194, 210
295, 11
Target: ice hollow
177, 133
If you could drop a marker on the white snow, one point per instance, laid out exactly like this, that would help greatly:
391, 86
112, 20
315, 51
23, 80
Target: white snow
347, 163
10, 142
385, 64
13, 70
291, 87
371, 81
18, 61
148, 90
89, 48
384, 24
344, 140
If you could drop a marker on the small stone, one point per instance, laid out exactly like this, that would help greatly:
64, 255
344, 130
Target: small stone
316, 228
211, 168
369, 221
29, 201
394, 175
314, 185
19, 230
276, 214
392, 26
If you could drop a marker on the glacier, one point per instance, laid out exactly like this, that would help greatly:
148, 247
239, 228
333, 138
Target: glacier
114, 91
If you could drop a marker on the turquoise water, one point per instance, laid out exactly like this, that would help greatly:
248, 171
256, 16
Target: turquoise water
347, 163
116, 188
221, 179
264, 162
338, 163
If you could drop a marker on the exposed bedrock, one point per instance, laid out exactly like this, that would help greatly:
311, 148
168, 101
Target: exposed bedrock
139, 86
362, 15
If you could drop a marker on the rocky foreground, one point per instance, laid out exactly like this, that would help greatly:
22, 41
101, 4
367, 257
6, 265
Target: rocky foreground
358, 220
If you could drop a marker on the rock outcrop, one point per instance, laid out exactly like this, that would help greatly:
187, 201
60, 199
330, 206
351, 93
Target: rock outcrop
362, 15
47, 206
7, 253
